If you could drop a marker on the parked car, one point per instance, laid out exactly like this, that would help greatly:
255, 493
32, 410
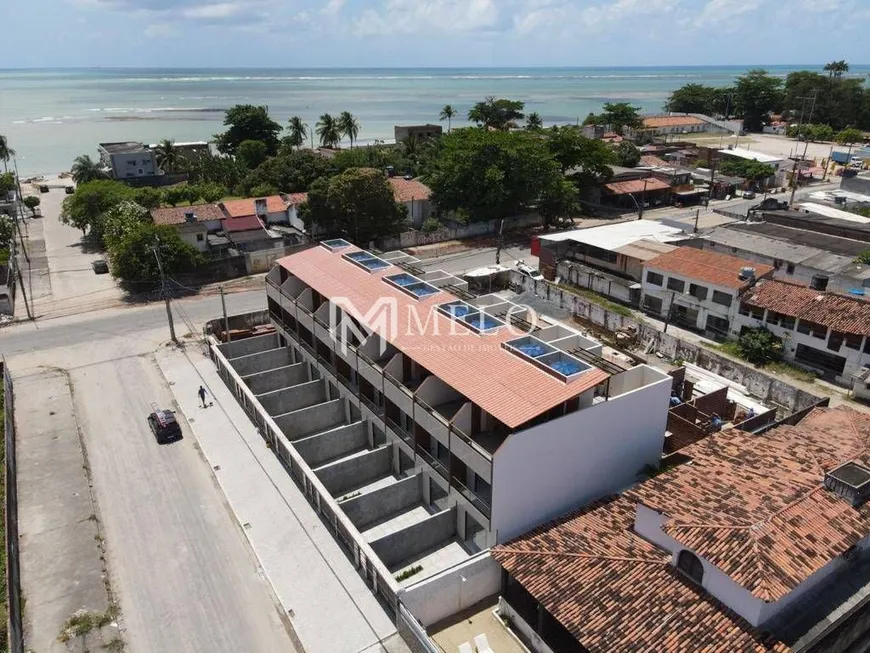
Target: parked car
529, 271
69, 190
43, 188
749, 195
100, 266
164, 426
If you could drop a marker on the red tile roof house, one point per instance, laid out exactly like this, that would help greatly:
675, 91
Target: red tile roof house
414, 196
754, 544
699, 289
274, 209
826, 332
194, 223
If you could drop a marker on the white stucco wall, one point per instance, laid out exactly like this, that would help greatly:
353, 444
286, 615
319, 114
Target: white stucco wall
704, 308
440, 596
547, 470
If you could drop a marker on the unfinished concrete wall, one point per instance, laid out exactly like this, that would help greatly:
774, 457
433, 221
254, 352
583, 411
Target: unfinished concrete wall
267, 360
385, 502
396, 549
715, 403
286, 400
320, 449
354, 472
250, 345
308, 421
281, 377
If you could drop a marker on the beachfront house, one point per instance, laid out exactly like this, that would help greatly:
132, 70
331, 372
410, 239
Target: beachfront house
128, 160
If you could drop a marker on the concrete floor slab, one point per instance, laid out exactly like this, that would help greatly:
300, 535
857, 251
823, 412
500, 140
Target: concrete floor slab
435, 560
465, 626
328, 604
397, 522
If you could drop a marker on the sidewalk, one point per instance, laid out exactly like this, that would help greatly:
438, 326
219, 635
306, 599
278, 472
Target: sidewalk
326, 601
61, 567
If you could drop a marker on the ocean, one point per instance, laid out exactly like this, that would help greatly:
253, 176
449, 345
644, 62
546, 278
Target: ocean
51, 116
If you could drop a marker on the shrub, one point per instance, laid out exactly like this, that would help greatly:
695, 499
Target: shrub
759, 346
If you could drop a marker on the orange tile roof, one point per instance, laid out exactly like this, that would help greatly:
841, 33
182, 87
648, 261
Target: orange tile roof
175, 214
406, 190
636, 186
839, 312
614, 591
241, 208
652, 161
753, 506
294, 199
710, 267
507, 387
653, 122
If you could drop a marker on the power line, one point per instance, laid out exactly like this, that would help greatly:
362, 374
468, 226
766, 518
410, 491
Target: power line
156, 249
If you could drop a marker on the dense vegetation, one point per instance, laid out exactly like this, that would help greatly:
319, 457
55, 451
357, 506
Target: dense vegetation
840, 101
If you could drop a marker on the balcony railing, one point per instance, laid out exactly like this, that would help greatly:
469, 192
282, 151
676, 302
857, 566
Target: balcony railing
433, 462
346, 382
481, 504
399, 384
467, 439
319, 321
404, 434
434, 413
371, 405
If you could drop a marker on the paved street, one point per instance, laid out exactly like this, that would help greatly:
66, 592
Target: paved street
179, 564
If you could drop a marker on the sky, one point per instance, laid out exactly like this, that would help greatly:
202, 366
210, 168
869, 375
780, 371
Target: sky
431, 33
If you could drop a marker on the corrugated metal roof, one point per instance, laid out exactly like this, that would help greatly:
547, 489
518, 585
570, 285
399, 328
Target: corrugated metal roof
504, 385
613, 236
644, 249
636, 186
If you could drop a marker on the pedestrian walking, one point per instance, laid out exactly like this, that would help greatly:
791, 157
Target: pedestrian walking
202, 392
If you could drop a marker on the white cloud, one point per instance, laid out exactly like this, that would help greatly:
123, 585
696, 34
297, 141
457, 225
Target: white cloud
425, 17
161, 31
215, 11
566, 17
722, 13
332, 8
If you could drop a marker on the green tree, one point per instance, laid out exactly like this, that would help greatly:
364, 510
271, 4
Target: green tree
836, 69
756, 94
263, 190
85, 208
811, 132
590, 119
348, 125
357, 203
7, 232
628, 154
85, 169
291, 171
620, 115
491, 174
448, 113
6, 152
849, 136
207, 167
167, 155
31, 202
534, 122
252, 153
586, 161
695, 98
558, 201
121, 219
328, 131
247, 122
837, 102
175, 195
497, 114
298, 131
211, 192
863, 257
148, 197
192, 193
132, 256
7, 183
746, 169
759, 346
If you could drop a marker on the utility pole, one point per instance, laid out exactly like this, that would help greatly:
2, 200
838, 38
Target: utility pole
794, 179
697, 215
642, 199
500, 241
163, 290
226, 319
19, 213
23, 294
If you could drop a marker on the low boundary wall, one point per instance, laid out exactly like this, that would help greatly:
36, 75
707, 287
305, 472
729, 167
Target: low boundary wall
13, 576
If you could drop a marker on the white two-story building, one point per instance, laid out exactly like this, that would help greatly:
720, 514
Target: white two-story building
698, 289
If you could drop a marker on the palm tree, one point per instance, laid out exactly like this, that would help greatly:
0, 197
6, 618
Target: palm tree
85, 169
6, 152
447, 113
298, 130
167, 155
348, 125
837, 68
328, 131
534, 122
